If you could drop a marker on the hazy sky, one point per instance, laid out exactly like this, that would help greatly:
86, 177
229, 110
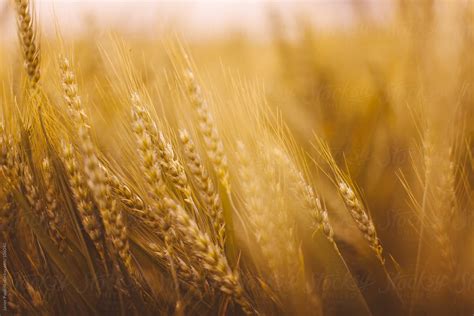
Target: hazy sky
195, 18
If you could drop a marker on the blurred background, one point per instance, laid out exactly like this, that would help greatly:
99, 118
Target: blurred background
197, 19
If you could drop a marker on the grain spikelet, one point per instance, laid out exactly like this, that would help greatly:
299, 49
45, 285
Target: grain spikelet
255, 205
282, 225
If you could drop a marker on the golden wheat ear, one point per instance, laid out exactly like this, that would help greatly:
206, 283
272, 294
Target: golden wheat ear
28, 40
205, 187
112, 217
52, 207
212, 257
90, 219
208, 129
360, 217
352, 201
307, 195
9, 175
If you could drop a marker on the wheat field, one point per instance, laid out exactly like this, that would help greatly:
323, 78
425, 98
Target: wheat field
327, 173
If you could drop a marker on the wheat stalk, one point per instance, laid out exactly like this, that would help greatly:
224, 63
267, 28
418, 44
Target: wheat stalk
144, 131
52, 208
186, 273
27, 35
208, 129
444, 208
444, 242
255, 205
205, 186
305, 193
282, 227
36, 298
32, 192
113, 220
269, 225
173, 169
10, 174
9, 162
359, 215
127, 197
212, 257
150, 164
7, 216
90, 219
133, 202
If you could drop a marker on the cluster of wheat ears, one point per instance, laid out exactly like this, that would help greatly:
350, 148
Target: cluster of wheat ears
201, 207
